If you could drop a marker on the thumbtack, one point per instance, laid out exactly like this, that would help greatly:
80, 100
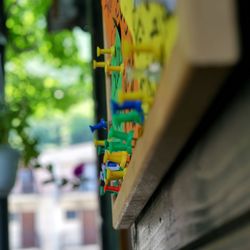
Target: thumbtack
136, 105
128, 48
99, 64
103, 143
119, 157
115, 175
111, 68
110, 50
121, 135
147, 48
133, 96
119, 146
112, 166
132, 116
101, 125
108, 189
111, 188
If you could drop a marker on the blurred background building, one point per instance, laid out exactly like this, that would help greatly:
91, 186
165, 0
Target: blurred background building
50, 216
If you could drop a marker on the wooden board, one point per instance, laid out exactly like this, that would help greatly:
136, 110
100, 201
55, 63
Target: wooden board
194, 74
208, 194
236, 239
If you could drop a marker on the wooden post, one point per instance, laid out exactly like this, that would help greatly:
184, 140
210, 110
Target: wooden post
4, 231
110, 238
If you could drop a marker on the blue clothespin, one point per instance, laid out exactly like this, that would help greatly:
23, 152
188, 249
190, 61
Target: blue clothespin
101, 125
136, 105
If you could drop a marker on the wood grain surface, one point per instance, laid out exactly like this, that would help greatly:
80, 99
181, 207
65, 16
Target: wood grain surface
208, 193
191, 80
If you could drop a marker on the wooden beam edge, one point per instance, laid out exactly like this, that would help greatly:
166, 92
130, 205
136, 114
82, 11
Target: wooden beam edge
164, 132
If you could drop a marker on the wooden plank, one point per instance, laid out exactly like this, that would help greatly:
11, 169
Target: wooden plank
238, 239
191, 80
210, 189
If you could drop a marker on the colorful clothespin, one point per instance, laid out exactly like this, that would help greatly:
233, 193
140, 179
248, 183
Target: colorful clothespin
101, 125
132, 116
135, 105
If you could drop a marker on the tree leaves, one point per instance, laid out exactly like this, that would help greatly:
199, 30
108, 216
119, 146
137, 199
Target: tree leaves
44, 72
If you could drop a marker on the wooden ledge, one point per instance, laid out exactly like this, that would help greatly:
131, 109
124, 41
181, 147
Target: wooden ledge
190, 81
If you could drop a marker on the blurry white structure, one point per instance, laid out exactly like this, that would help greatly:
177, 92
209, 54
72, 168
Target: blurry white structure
48, 217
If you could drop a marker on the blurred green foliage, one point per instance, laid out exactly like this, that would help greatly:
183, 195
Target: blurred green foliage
45, 77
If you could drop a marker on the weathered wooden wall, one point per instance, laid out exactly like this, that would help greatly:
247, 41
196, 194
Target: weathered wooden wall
204, 203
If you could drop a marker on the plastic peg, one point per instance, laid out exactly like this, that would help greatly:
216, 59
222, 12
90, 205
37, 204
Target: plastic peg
100, 64
135, 105
132, 116
134, 96
112, 166
111, 68
129, 48
120, 134
101, 125
99, 143
110, 50
111, 188
115, 175
119, 146
147, 48
119, 157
